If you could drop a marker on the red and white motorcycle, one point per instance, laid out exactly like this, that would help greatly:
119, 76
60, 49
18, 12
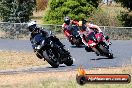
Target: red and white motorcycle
97, 44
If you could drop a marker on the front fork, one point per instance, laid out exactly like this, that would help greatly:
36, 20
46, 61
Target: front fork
95, 48
96, 51
105, 45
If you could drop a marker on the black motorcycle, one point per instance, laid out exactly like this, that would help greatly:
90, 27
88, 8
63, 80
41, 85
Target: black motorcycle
75, 38
51, 51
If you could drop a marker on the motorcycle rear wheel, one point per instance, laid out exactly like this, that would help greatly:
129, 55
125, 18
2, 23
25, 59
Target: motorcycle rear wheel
69, 61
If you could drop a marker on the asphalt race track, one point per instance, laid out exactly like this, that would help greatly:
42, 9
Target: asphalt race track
122, 50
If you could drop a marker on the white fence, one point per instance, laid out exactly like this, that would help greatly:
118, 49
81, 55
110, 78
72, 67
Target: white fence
19, 30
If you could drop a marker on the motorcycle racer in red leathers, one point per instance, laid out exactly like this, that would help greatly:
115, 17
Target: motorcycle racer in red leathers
66, 27
86, 30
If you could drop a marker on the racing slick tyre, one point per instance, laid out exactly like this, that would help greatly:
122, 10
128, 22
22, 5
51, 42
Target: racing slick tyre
106, 52
69, 61
52, 58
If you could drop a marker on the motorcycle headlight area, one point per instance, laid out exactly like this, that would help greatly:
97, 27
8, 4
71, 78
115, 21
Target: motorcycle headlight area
92, 44
38, 47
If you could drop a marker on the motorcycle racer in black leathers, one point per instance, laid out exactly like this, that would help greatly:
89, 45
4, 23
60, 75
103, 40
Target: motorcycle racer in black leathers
35, 30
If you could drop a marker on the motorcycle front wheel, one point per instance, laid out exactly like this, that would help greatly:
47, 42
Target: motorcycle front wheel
52, 58
106, 52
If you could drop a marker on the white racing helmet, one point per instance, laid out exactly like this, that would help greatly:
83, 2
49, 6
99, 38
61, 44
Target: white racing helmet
31, 26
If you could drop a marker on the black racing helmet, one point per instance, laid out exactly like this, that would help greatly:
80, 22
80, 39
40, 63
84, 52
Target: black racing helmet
67, 20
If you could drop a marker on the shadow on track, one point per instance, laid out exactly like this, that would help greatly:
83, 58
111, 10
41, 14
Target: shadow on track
102, 58
77, 46
61, 66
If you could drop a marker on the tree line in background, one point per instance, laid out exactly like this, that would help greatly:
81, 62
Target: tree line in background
16, 10
126, 16
22, 10
75, 9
